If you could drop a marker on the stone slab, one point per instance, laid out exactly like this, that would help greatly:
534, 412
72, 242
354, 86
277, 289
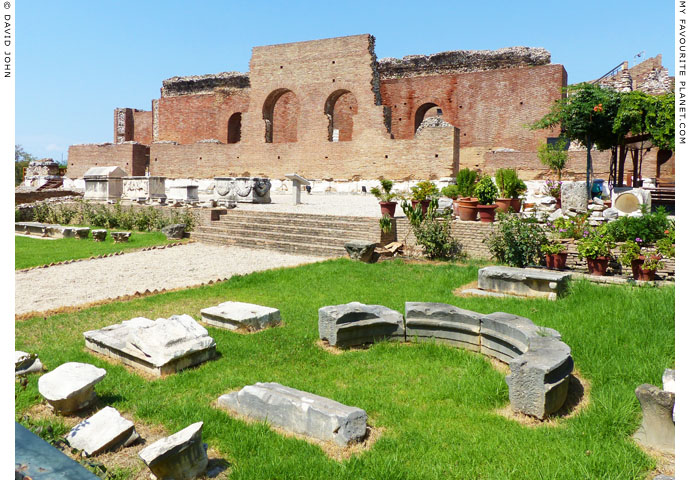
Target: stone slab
159, 347
299, 412
69, 387
574, 196
444, 323
106, 430
505, 336
485, 293
180, 456
361, 250
241, 316
354, 324
528, 282
176, 230
25, 363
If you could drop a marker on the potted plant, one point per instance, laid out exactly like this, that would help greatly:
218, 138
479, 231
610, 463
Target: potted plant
422, 193
510, 187
553, 189
596, 248
555, 254
452, 192
466, 203
631, 256
652, 262
386, 197
486, 192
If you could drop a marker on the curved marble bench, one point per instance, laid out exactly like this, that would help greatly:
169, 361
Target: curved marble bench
540, 363
353, 324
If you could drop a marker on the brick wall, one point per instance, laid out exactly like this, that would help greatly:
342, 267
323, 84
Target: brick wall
130, 156
142, 127
469, 234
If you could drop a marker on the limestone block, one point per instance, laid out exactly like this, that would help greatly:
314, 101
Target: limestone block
120, 237
299, 412
180, 456
69, 387
444, 323
159, 347
98, 235
106, 430
252, 190
527, 282
175, 230
669, 380
146, 188
610, 214
361, 250
81, 232
26, 363
506, 336
574, 196
103, 183
539, 378
354, 323
241, 316
658, 428
555, 215
184, 193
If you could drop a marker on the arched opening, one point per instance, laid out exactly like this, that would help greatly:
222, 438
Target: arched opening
340, 108
235, 128
280, 112
425, 111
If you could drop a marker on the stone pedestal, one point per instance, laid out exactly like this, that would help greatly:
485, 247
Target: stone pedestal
526, 282
147, 188
103, 183
297, 182
574, 196
184, 194
658, 430
69, 388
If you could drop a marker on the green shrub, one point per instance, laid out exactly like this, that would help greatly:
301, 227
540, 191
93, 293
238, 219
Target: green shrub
466, 180
424, 190
570, 227
508, 183
630, 251
552, 247
516, 241
384, 193
596, 243
650, 227
451, 191
434, 236
486, 191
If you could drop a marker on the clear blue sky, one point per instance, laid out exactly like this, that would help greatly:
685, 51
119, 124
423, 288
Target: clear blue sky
78, 60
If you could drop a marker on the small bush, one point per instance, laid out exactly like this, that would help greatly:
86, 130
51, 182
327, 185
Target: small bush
516, 241
486, 191
650, 227
434, 236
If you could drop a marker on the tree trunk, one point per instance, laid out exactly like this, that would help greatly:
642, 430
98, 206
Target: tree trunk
589, 169
622, 153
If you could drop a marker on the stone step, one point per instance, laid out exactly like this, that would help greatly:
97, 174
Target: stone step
298, 216
282, 246
320, 232
318, 222
307, 238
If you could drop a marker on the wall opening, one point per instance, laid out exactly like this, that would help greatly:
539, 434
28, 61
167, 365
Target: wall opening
235, 127
281, 113
340, 108
425, 111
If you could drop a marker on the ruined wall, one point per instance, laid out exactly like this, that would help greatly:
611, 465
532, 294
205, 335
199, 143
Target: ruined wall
142, 127
132, 125
649, 76
491, 108
129, 156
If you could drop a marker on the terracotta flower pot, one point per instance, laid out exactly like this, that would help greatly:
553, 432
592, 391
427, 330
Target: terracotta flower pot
515, 204
503, 204
467, 209
425, 205
456, 207
558, 203
388, 208
556, 261
597, 266
487, 213
646, 274
635, 266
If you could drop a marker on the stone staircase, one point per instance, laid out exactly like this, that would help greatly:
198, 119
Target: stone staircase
297, 233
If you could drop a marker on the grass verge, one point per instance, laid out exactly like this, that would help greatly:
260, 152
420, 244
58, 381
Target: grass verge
437, 406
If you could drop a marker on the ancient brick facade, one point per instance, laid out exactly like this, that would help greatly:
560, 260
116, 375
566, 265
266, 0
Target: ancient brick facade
327, 109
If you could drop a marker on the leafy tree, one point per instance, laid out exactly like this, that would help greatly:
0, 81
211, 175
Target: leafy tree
554, 156
21, 161
660, 121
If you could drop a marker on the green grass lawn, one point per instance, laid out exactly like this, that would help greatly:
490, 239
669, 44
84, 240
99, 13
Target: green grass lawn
31, 252
437, 405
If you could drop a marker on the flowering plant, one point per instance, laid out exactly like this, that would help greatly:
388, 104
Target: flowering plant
553, 188
552, 247
595, 245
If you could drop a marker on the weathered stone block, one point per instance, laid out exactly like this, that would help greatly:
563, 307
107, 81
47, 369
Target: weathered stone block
361, 250
81, 232
159, 347
148, 188
25, 363
98, 235
253, 190
241, 316
574, 196
103, 183
69, 387
180, 456
526, 282
444, 323
106, 430
299, 412
184, 193
506, 336
354, 323
176, 230
539, 378
120, 237
658, 429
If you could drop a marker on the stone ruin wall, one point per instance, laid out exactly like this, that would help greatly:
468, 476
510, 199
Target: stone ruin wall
649, 76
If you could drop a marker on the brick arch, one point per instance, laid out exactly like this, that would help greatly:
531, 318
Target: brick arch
422, 112
235, 127
281, 113
340, 108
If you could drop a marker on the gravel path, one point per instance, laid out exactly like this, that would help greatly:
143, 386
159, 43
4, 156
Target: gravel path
100, 279
356, 205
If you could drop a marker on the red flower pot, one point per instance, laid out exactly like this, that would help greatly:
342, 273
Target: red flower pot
647, 275
487, 213
503, 204
425, 205
467, 209
388, 208
556, 261
597, 266
558, 203
635, 266
515, 204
